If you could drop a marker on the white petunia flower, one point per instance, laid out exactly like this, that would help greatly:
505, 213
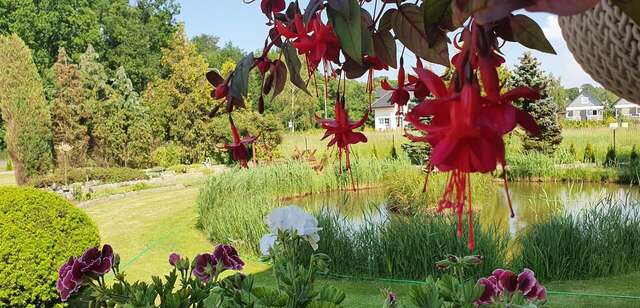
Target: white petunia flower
266, 243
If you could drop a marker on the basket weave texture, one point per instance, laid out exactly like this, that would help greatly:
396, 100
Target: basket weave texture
606, 43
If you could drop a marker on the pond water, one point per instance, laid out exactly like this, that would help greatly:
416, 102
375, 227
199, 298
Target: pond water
532, 202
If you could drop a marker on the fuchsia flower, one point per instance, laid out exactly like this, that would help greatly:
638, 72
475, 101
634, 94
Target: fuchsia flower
465, 128
238, 147
341, 128
269, 7
70, 278
321, 46
400, 95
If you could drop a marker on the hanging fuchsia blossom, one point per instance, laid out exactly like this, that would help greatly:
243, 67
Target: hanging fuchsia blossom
239, 145
400, 94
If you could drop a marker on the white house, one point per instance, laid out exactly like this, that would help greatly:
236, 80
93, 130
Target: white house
386, 114
626, 108
584, 107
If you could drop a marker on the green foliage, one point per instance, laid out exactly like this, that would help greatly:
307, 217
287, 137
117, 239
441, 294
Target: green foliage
9, 166
610, 158
269, 129
600, 241
180, 101
572, 151
263, 187
167, 155
589, 154
69, 113
122, 127
216, 56
529, 74
24, 110
78, 175
39, 231
3, 132
633, 157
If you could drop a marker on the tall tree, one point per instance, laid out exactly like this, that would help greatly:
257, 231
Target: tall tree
134, 37
69, 114
180, 102
121, 127
529, 74
24, 110
216, 56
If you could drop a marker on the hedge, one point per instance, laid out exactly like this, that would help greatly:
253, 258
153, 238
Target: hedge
77, 175
40, 230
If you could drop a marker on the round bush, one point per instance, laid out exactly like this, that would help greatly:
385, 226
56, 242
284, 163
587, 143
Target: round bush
39, 231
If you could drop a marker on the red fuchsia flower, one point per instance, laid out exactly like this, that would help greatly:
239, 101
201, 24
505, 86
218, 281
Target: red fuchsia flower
238, 147
321, 46
221, 87
491, 290
96, 262
70, 278
420, 90
400, 95
341, 128
269, 7
174, 258
264, 64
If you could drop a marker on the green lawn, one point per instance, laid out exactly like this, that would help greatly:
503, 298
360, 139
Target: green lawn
7, 178
145, 228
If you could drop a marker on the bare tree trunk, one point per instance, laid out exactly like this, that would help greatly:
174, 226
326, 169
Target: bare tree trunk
18, 167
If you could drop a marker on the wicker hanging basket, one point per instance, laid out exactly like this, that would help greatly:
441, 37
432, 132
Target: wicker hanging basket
606, 43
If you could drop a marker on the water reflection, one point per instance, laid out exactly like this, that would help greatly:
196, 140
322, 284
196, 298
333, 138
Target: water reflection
532, 202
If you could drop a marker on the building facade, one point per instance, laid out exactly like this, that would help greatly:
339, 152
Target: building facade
387, 116
584, 107
627, 109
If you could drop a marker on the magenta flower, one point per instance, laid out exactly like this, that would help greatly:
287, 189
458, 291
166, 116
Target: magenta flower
538, 292
174, 258
228, 256
491, 290
97, 262
70, 278
526, 281
204, 267
506, 279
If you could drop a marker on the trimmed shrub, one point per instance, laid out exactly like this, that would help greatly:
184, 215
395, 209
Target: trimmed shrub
610, 159
589, 154
167, 155
38, 230
77, 175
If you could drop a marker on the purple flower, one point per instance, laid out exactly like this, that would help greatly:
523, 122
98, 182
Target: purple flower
97, 262
174, 258
506, 279
491, 290
204, 267
228, 256
70, 278
391, 297
526, 281
537, 292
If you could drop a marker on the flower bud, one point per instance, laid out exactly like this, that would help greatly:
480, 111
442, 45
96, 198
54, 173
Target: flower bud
174, 258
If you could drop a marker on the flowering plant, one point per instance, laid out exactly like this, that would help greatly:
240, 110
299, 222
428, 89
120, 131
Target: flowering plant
292, 232
505, 288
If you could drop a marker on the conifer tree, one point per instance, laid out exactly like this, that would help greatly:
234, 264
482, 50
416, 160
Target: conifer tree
121, 127
24, 110
529, 74
69, 114
180, 100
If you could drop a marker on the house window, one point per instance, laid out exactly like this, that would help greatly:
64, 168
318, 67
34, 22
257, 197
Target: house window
570, 114
381, 121
399, 121
595, 112
387, 122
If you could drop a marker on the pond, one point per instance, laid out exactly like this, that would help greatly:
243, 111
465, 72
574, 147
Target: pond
532, 202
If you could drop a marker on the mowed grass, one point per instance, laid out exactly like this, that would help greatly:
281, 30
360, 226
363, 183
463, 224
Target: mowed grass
7, 178
378, 142
147, 227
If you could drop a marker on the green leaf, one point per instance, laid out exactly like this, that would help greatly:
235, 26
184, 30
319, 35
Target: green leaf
348, 29
279, 73
367, 33
270, 297
312, 7
331, 294
385, 48
408, 25
631, 8
321, 304
294, 65
240, 81
528, 33
434, 12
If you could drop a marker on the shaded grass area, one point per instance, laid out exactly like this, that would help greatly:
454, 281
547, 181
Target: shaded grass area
136, 223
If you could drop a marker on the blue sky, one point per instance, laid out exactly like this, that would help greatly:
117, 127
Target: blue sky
244, 25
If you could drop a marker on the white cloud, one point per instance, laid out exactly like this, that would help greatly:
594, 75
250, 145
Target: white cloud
552, 29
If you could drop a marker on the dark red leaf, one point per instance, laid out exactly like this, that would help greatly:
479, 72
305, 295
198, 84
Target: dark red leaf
214, 78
